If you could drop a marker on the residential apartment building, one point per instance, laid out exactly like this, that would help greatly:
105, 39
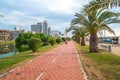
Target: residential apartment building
4, 35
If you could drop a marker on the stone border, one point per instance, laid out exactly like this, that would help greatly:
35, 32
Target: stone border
81, 66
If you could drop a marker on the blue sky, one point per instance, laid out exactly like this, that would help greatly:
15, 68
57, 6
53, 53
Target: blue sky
58, 13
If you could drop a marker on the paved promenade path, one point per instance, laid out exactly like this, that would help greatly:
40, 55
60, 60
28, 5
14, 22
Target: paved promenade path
60, 63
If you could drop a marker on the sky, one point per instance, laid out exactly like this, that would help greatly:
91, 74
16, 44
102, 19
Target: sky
58, 13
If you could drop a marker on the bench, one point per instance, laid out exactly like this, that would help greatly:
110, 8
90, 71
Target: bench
107, 47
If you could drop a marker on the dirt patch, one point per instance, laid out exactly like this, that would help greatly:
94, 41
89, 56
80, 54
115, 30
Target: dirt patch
91, 68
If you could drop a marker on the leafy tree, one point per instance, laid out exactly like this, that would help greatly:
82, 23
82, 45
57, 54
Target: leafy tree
63, 39
52, 42
34, 44
58, 40
43, 37
18, 43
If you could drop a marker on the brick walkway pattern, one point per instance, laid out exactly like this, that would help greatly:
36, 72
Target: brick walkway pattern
60, 63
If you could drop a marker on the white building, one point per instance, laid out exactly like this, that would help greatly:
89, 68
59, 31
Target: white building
55, 33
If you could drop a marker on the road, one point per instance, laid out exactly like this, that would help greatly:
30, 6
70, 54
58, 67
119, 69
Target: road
60, 63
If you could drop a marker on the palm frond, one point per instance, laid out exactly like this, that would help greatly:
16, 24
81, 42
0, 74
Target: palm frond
106, 27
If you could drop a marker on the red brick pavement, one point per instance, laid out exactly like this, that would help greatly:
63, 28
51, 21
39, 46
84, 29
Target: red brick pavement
60, 63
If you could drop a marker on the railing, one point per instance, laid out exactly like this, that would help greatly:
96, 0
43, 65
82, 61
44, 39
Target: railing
107, 47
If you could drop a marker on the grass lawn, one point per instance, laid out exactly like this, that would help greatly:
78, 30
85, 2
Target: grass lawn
18, 59
101, 65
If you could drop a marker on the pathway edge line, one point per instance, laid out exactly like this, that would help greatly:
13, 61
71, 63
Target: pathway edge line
81, 66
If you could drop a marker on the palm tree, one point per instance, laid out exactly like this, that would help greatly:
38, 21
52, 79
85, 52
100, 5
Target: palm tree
82, 32
97, 4
95, 21
76, 36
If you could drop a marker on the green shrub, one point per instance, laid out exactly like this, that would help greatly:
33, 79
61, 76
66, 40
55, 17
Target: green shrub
45, 44
34, 44
63, 39
23, 48
58, 40
52, 42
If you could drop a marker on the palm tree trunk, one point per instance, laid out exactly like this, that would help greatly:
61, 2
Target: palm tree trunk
78, 40
83, 41
93, 47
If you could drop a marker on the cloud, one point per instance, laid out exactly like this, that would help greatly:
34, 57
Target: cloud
19, 18
58, 13
57, 6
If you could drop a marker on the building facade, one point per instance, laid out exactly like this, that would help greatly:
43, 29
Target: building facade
45, 27
49, 31
14, 34
55, 33
41, 27
4, 35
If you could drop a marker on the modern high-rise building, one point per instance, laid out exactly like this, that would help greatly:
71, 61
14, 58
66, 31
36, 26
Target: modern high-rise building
45, 27
41, 27
49, 31
37, 28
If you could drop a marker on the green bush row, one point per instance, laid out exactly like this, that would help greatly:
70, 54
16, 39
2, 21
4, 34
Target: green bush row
29, 41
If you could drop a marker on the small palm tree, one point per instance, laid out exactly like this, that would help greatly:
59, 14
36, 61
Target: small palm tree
95, 21
82, 33
76, 36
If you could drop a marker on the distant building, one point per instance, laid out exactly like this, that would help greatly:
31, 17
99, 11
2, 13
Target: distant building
55, 33
14, 34
45, 27
35, 28
17, 29
49, 30
4, 35
31, 32
41, 27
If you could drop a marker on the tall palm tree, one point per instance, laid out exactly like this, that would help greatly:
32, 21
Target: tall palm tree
94, 22
97, 4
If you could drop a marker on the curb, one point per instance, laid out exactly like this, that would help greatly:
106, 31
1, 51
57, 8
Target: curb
81, 66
